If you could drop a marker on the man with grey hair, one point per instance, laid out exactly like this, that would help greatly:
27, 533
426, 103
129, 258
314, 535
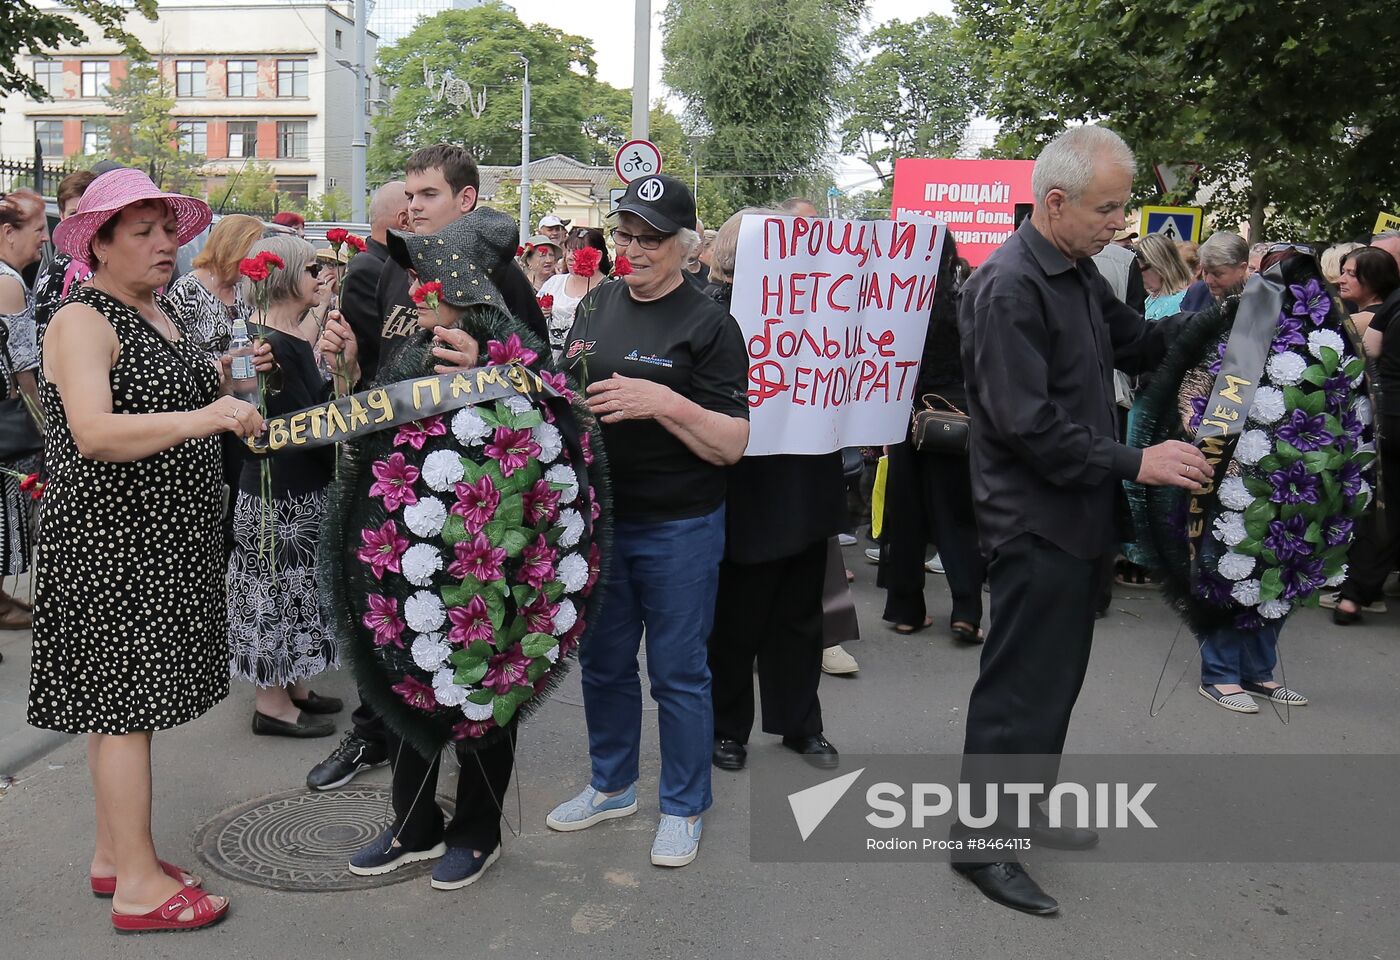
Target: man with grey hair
1041, 335
1389, 241
1256, 257
388, 210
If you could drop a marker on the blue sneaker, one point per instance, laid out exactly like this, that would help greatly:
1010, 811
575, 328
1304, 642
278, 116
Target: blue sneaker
381, 856
677, 841
591, 807
461, 868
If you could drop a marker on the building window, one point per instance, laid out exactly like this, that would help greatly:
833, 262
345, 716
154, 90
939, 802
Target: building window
94, 138
291, 78
193, 137
97, 78
294, 189
338, 38
189, 78
243, 138
49, 75
291, 139
49, 133
243, 78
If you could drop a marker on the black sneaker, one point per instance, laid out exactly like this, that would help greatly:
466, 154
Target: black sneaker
354, 754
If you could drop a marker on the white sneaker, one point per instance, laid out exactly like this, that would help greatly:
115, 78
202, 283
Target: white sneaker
934, 564
846, 540
872, 554
836, 660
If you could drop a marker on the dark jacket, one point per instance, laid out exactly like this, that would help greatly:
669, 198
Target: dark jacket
360, 307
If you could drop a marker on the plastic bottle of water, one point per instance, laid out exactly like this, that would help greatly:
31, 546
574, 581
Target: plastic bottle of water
241, 371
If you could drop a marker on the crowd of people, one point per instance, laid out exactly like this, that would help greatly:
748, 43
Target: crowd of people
170, 560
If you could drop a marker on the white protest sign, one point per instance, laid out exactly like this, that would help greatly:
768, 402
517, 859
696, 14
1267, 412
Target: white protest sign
834, 314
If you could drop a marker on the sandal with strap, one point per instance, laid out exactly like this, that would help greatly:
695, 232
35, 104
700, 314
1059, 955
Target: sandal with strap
166, 916
967, 632
905, 629
105, 887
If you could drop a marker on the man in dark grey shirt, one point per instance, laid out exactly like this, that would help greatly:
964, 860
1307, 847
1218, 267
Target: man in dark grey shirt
1041, 334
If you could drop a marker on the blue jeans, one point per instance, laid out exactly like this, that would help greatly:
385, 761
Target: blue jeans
1231, 656
663, 578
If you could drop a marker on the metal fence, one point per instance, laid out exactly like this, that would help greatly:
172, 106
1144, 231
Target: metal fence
35, 174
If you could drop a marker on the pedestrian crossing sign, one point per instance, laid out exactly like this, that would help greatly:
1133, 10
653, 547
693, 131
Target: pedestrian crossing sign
1174, 223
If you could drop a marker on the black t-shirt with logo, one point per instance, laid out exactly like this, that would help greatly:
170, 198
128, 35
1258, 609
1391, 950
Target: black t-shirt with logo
685, 341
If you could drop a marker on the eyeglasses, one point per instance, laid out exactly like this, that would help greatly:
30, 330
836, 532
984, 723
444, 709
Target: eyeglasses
647, 241
1299, 247
314, 269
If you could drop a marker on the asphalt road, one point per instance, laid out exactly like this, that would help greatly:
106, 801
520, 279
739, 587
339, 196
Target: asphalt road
595, 894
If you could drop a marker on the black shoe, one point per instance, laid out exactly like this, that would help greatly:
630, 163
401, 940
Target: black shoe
354, 754
306, 726
729, 755
816, 750
315, 703
1008, 884
1059, 838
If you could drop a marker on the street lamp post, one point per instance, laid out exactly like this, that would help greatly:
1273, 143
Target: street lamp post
359, 149
641, 73
525, 152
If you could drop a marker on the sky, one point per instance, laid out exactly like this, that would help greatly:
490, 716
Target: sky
609, 24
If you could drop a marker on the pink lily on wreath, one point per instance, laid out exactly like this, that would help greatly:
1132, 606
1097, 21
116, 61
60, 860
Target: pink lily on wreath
477, 559
539, 614
512, 449
383, 618
470, 623
511, 351
476, 503
595, 566
505, 670
537, 566
416, 434
541, 503
382, 549
393, 480
570, 639
472, 729
416, 693
559, 382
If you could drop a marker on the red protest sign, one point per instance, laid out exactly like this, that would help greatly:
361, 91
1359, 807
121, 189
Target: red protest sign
976, 198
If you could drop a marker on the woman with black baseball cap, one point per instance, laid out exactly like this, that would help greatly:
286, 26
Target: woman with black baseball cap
665, 369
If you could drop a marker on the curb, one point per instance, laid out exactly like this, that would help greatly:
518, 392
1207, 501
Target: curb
19, 750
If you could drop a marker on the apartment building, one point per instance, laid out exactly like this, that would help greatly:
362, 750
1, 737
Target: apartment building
264, 80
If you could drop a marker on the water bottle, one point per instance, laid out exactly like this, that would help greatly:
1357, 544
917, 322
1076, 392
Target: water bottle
241, 371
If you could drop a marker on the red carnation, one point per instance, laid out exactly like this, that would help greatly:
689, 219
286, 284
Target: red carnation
427, 294
29, 482
271, 259
357, 242
622, 268
520, 251
586, 261
253, 269
546, 302
335, 236
38, 491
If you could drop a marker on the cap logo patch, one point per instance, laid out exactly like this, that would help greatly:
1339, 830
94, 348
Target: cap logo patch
651, 190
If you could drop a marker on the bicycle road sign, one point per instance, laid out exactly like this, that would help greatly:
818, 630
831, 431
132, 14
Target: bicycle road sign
637, 158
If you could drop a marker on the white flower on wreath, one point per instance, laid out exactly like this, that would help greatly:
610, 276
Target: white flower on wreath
1326, 338
1234, 495
1268, 406
1229, 528
519, 404
448, 691
426, 517
430, 651
1253, 446
565, 617
1361, 407
1338, 579
1364, 494
1246, 592
562, 473
1273, 609
476, 711
423, 612
571, 523
573, 572
1286, 369
551, 441
420, 562
441, 469
468, 427
1236, 566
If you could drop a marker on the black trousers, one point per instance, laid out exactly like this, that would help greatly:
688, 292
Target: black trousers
1376, 549
481, 795
772, 611
928, 499
368, 724
1035, 657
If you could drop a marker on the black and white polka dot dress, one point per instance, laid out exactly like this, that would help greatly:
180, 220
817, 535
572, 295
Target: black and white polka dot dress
129, 586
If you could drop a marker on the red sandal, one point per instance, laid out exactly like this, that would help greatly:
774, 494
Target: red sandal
106, 887
166, 916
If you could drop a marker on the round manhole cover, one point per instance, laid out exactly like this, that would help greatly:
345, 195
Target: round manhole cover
301, 841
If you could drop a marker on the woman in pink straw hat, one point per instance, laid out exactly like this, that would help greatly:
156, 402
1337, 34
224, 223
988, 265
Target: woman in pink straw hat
129, 601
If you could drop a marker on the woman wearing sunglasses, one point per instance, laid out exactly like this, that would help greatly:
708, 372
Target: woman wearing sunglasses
276, 637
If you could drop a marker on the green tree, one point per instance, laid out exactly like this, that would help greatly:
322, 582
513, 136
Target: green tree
332, 205
911, 95
543, 200
26, 28
142, 135
760, 80
252, 187
1286, 103
479, 47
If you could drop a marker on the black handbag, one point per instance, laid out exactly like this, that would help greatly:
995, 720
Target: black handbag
939, 430
19, 434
